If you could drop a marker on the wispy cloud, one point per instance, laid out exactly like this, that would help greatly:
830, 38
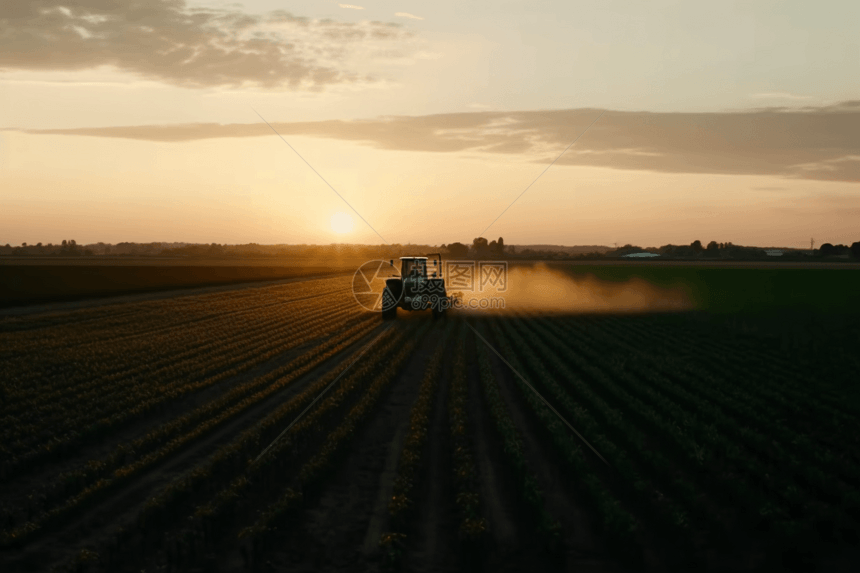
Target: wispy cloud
408, 15
351, 6
170, 42
780, 95
813, 143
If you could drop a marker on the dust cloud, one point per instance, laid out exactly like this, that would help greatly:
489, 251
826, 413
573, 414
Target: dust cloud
540, 288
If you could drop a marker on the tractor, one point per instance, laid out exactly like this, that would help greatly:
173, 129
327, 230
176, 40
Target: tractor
415, 289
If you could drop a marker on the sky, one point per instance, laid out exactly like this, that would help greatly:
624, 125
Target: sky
404, 122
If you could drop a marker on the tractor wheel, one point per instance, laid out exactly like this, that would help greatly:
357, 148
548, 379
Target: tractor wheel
391, 295
389, 314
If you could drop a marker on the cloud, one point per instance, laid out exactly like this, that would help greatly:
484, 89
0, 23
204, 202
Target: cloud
170, 42
351, 6
408, 15
780, 95
814, 143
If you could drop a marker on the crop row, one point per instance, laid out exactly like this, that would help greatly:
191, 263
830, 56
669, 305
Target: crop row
226, 346
410, 462
170, 356
52, 332
130, 459
529, 492
227, 473
615, 521
779, 493
816, 433
50, 360
314, 472
794, 372
777, 380
656, 416
608, 436
130, 399
720, 402
269, 470
109, 361
472, 526
671, 426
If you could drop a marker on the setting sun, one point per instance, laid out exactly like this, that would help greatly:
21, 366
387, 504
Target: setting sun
341, 222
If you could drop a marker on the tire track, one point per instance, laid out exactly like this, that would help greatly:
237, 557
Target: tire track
431, 546
340, 531
497, 497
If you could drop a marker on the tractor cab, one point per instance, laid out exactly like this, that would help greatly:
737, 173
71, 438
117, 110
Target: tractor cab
413, 267
420, 267
420, 286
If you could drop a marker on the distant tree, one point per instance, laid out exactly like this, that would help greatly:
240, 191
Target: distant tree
64, 243
38, 244
23, 244
826, 250
500, 245
696, 245
627, 249
712, 250
458, 250
480, 244
855, 250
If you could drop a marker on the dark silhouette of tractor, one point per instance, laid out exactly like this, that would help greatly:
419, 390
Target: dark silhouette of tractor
417, 288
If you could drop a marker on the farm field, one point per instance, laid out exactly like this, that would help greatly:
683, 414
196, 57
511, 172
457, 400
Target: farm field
191, 433
44, 279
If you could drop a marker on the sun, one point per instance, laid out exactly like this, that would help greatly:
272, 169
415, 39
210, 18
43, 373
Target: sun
341, 222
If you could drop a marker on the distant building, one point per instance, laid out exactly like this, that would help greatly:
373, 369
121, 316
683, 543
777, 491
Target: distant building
640, 256
774, 252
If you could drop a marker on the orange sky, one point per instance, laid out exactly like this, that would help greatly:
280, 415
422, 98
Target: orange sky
130, 125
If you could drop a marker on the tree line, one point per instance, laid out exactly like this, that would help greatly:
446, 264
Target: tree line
479, 248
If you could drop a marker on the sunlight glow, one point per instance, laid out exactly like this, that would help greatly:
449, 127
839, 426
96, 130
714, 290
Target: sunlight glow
341, 222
